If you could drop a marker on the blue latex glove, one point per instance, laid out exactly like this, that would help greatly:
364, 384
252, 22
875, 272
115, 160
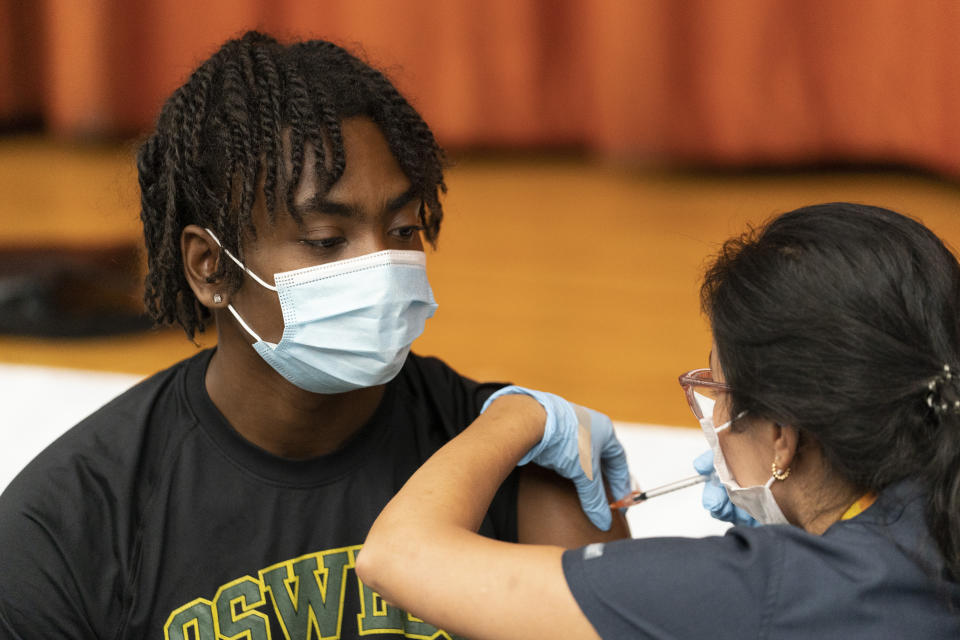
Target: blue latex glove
715, 498
559, 451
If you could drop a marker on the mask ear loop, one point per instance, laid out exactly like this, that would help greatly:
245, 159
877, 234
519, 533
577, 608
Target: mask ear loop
240, 264
230, 308
726, 425
243, 324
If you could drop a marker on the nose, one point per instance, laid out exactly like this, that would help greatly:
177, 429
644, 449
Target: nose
369, 239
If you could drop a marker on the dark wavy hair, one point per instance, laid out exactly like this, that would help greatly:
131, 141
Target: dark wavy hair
226, 130
838, 319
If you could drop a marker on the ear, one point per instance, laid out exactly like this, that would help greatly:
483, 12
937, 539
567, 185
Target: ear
785, 442
200, 261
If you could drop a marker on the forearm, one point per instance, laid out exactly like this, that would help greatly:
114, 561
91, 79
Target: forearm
423, 553
448, 496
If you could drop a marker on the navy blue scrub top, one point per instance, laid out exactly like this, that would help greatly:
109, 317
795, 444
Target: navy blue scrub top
878, 575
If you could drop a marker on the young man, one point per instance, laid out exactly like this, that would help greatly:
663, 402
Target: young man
285, 192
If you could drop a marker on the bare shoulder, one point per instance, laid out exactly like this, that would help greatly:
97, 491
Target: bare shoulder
549, 512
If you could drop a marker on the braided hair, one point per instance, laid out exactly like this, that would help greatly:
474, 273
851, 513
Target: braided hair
843, 320
224, 133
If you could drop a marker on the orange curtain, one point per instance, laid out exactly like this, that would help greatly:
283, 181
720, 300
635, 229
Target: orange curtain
730, 83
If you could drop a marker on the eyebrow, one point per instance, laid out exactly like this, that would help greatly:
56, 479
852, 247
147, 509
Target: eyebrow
319, 204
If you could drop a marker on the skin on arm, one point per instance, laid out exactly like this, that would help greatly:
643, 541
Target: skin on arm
450, 575
549, 512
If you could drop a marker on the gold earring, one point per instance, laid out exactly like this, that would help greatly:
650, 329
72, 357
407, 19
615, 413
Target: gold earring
777, 473
217, 298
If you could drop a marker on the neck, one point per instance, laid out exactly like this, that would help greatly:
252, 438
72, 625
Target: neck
279, 417
818, 519
813, 497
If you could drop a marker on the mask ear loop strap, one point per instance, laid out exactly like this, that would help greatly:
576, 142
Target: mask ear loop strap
240, 264
246, 327
243, 324
725, 425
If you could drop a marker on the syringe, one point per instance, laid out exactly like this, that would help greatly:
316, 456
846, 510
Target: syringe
636, 497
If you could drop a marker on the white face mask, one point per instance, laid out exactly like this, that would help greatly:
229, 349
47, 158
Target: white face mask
347, 324
758, 500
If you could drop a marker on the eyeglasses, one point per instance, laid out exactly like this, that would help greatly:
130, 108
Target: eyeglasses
702, 391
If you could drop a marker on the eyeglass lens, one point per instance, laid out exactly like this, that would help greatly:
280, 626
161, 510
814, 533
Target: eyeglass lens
704, 396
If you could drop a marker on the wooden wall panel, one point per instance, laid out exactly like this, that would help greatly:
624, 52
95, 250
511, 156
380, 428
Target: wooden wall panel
561, 274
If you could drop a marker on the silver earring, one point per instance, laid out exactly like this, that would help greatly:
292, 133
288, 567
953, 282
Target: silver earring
217, 298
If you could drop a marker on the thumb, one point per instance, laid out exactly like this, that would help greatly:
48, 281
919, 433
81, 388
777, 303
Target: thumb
703, 463
615, 468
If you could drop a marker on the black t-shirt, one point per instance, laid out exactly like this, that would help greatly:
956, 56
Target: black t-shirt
877, 575
153, 518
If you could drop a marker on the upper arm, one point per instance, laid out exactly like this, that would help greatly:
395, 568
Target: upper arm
549, 512
39, 595
61, 572
719, 585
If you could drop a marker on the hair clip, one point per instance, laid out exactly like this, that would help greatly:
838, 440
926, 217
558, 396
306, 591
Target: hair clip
944, 392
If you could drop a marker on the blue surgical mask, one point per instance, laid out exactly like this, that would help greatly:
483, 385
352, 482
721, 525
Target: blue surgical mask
347, 324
